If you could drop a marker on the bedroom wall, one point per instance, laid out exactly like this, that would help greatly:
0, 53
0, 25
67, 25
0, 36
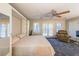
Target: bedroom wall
25, 26
52, 21
19, 23
73, 26
6, 9
28, 27
16, 25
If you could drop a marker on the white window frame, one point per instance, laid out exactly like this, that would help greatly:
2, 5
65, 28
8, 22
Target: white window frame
48, 32
5, 30
58, 27
36, 27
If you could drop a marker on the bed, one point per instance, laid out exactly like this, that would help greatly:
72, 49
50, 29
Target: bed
32, 46
4, 46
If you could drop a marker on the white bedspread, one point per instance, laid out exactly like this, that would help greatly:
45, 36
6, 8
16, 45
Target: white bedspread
33, 46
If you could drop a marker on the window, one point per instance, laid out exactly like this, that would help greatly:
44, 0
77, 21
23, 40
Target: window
36, 27
2, 30
50, 29
47, 30
58, 27
8, 30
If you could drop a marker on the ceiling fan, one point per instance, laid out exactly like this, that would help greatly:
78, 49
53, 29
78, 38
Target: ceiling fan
53, 13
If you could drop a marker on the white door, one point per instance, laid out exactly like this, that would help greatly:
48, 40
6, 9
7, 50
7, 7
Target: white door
47, 29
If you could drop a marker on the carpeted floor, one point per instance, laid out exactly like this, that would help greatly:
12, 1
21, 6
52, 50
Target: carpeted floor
64, 49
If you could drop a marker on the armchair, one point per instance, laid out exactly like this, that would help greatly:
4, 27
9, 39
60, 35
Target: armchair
62, 35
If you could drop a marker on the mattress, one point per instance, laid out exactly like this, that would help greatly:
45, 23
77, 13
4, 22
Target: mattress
33, 46
4, 46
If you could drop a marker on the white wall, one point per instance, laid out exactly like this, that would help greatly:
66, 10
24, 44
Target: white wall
6, 9
28, 27
19, 23
16, 25
24, 26
50, 21
73, 26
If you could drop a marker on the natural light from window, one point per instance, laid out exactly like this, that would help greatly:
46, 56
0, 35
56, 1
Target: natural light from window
47, 30
36, 27
4, 30
58, 27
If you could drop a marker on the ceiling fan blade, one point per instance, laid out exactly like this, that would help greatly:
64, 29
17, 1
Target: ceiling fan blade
62, 13
47, 14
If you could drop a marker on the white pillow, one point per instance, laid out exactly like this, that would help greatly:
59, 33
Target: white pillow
21, 36
15, 39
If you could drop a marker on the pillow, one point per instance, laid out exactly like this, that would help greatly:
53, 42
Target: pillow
15, 39
21, 36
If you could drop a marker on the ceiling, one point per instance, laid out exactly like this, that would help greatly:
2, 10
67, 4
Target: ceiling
35, 10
